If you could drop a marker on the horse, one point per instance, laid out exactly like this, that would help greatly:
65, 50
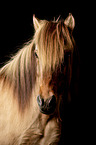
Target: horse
35, 82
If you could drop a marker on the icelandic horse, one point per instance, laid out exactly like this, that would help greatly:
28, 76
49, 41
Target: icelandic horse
34, 83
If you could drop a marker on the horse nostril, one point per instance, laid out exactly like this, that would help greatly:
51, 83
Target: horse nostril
40, 101
51, 101
46, 106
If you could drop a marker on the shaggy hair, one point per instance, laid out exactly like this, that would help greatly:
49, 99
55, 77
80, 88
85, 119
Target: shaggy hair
42, 66
20, 72
53, 40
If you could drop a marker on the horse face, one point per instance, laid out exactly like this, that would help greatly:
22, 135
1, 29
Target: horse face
52, 42
54, 85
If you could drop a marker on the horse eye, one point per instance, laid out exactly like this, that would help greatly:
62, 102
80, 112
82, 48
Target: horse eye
36, 54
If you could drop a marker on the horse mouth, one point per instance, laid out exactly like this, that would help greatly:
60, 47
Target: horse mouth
47, 111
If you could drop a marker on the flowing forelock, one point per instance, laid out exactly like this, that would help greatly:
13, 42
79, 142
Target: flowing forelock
52, 40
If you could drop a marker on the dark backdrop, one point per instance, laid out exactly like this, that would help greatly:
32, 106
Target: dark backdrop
16, 24
16, 28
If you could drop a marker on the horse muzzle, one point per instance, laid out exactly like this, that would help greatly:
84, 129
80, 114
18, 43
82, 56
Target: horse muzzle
47, 106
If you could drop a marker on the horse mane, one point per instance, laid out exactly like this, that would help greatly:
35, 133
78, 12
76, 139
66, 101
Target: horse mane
53, 39
20, 72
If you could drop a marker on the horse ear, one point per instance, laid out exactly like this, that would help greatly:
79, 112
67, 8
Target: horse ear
36, 22
70, 21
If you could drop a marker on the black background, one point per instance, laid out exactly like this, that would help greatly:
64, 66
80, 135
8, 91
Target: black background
16, 24
16, 28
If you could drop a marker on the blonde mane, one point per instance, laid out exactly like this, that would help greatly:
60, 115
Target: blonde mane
20, 73
52, 40
35, 83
